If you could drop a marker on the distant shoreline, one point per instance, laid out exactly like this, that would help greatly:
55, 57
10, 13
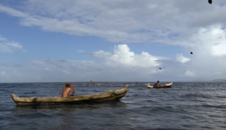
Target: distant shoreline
213, 81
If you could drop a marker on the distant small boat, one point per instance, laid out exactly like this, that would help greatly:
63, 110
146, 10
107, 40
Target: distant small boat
100, 84
162, 86
111, 95
84, 84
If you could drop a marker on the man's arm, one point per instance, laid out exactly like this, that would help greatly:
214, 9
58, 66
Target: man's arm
73, 89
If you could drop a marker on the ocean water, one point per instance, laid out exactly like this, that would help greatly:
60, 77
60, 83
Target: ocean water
184, 106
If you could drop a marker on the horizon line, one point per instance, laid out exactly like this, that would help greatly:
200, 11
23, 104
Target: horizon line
109, 81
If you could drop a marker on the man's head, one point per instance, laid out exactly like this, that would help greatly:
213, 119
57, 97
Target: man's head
157, 81
68, 84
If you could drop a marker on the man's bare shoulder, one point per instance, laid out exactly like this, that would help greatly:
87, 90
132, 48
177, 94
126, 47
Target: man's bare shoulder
67, 89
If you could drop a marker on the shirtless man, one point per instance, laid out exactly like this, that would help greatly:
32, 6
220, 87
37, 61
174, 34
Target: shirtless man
156, 85
68, 89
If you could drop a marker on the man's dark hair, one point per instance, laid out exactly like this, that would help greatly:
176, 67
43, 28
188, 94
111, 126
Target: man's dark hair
157, 81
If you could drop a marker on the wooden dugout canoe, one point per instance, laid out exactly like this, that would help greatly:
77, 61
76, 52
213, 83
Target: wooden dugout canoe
111, 95
100, 84
162, 86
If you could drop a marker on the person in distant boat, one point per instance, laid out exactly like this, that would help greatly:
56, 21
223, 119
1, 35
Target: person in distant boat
67, 90
136, 83
156, 85
91, 83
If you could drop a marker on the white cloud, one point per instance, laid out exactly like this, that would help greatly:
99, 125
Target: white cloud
66, 72
206, 38
14, 45
218, 73
190, 73
207, 45
16, 73
117, 21
101, 54
3, 73
2, 38
212, 17
180, 58
47, 69
219, 50
4, 48
122, 65
38, 62
7, 46
123, 56
208, 42
12, 11
80, 51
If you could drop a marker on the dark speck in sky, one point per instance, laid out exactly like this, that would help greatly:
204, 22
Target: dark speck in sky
210, 1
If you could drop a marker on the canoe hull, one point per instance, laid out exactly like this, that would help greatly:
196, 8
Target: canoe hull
105, 97
162, 86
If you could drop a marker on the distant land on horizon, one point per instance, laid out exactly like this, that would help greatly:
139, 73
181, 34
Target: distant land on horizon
164, 81
219, 80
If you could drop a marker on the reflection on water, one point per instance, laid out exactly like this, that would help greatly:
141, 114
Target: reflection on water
67, 118
67, 107
71, 114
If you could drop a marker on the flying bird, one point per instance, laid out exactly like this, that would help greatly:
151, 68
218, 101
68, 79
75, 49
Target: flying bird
210, 1
160, 68
191, 52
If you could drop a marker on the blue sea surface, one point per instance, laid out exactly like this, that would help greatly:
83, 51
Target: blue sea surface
198, 106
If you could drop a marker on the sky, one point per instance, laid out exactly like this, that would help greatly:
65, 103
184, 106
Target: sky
112, 40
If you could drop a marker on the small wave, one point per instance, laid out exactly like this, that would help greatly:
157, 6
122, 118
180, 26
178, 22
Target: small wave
30, 93
33, 114
193, 95
214, 106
